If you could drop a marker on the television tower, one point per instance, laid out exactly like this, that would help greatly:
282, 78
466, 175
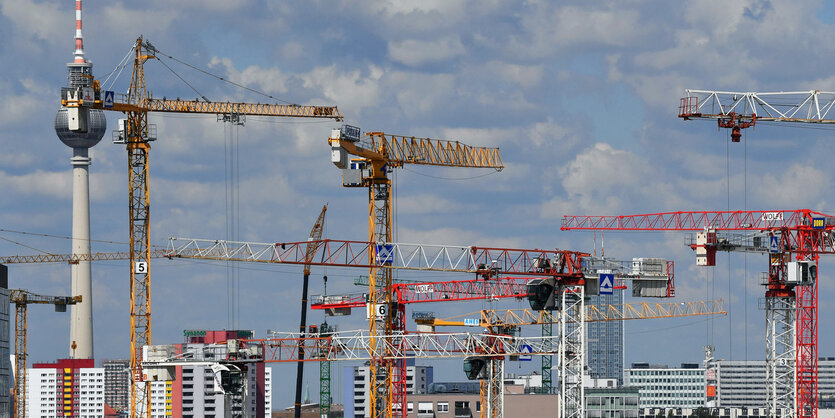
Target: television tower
80, 128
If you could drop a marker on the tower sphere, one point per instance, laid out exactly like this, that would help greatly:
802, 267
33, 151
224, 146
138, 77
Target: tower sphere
96, 127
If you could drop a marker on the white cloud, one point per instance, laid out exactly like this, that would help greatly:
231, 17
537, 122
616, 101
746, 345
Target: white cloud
268, 80
39, 183
45, 21
551, 28
351, 90
798, 186
414, 52
526, 76
118, 19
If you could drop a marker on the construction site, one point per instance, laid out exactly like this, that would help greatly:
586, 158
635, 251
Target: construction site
388, 210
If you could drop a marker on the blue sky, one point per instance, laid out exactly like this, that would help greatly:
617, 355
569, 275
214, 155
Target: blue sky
580, 97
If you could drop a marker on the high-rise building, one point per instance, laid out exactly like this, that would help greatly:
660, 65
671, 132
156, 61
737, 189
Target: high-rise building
357, 380
5, 344
604, 341
194, 392
71, 387
661, 386
117, 384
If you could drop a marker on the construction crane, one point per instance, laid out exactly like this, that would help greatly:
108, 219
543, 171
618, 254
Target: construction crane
22, 299
313, 242
741, 110
791, 295
650, 276
136, 133
377, 154
487, 263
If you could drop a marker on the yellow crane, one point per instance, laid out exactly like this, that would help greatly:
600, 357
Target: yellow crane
22, 299
489, 318
377, 155
137, 133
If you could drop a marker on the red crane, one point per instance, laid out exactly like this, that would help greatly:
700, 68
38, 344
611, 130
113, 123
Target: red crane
791, 287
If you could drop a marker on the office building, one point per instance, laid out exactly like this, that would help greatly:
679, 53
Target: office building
67, 387
741, 383
357, 381
661, 386
604, 341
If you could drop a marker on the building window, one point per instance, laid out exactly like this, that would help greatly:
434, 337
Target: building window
424, 407
443, 407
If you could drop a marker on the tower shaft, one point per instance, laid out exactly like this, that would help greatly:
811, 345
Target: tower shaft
81, 319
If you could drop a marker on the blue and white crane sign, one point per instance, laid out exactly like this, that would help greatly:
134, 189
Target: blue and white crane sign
607, 284
108, 99
385, 254
774, 245
525, 351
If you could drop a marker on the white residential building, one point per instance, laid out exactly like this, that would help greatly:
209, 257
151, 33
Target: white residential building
67, 387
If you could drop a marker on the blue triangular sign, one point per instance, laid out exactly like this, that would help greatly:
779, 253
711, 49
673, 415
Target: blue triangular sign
774, 245
607, 283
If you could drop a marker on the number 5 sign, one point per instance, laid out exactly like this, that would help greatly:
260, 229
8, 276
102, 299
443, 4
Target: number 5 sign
140, 267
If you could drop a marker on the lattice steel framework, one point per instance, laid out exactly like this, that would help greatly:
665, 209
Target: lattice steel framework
572, 351
137, 137
494, 388
780, 356
354, 345
20, 360
324, 388
547, 362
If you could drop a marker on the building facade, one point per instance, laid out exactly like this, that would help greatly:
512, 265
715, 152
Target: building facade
67, 387
468, 405
117, 384
618, 402
741, 383
661, 386
357, 381
604, 341
195, 392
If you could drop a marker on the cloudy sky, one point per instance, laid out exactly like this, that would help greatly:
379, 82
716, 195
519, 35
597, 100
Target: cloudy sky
581, 98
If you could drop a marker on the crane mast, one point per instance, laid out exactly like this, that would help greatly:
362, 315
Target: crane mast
737, 111
22, 299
